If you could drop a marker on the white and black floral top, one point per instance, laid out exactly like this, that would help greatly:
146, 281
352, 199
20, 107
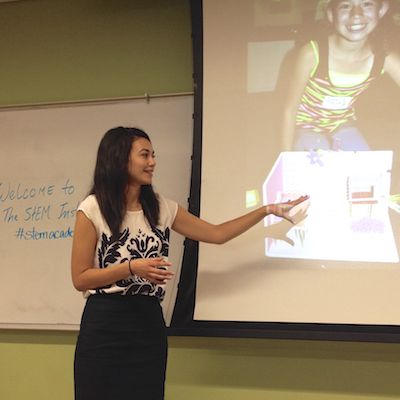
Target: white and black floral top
136, 240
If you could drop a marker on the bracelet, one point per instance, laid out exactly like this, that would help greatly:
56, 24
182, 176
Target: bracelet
129, 266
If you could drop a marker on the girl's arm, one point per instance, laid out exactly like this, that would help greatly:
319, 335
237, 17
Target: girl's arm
195, 228
392, 66
303, 67
86, 276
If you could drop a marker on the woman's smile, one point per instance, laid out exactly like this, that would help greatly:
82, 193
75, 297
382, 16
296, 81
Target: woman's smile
142, 162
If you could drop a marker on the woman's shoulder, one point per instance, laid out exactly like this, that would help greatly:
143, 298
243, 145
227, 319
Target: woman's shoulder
89, 206
166, 202
167, 206
89, 201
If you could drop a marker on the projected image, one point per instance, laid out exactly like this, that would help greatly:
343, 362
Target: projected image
301, 97
348, 218
330, 74
330, 56
348, 50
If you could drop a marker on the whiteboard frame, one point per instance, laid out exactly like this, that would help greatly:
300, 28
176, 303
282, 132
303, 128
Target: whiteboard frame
168, 308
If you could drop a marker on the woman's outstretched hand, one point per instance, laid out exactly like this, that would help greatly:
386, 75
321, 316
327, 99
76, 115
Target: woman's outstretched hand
283, 209
153, 269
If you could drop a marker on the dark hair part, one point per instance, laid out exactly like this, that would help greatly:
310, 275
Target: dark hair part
111, 177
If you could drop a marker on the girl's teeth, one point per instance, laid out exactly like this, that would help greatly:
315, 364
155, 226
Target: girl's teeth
356, 27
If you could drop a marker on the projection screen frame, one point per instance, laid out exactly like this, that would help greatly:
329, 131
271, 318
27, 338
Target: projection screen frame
182, 323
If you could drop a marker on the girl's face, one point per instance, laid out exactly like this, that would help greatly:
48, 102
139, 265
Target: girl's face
354, 20
141, 162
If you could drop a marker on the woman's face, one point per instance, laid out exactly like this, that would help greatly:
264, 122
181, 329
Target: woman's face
141, 162
354, 20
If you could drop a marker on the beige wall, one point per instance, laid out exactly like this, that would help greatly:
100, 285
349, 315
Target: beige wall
56, 50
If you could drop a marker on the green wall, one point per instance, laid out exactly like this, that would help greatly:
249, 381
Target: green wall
38, 365
57, 50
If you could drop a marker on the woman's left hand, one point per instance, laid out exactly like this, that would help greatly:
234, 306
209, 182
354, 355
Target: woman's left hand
283, 209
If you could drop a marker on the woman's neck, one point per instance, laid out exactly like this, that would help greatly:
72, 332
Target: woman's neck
132, 197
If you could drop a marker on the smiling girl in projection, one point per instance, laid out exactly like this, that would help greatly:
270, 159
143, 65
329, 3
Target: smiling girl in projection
331, 73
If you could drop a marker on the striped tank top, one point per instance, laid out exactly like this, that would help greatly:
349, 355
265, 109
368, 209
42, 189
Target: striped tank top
324, 107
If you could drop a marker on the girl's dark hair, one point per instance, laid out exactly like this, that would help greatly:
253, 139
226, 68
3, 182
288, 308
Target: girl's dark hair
111, 177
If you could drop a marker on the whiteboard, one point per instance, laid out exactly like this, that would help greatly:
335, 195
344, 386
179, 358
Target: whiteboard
47, 158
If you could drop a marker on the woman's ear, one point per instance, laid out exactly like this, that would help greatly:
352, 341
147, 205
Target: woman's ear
383, 8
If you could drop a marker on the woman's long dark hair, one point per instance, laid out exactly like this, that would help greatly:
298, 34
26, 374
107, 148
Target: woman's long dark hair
111, 178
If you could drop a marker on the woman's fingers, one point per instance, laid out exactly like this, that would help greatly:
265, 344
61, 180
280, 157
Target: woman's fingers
154, 269
298, 200
160, 262
300, 215
159, 275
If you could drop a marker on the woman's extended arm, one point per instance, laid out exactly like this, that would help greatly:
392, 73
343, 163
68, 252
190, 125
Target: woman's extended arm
86, 276
195, 228
304, 64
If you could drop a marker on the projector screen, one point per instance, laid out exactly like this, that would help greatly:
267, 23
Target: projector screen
298, 97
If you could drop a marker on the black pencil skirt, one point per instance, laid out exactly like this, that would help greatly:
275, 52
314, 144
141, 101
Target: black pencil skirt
121, 351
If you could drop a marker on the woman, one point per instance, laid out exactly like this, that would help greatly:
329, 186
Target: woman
119, 261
